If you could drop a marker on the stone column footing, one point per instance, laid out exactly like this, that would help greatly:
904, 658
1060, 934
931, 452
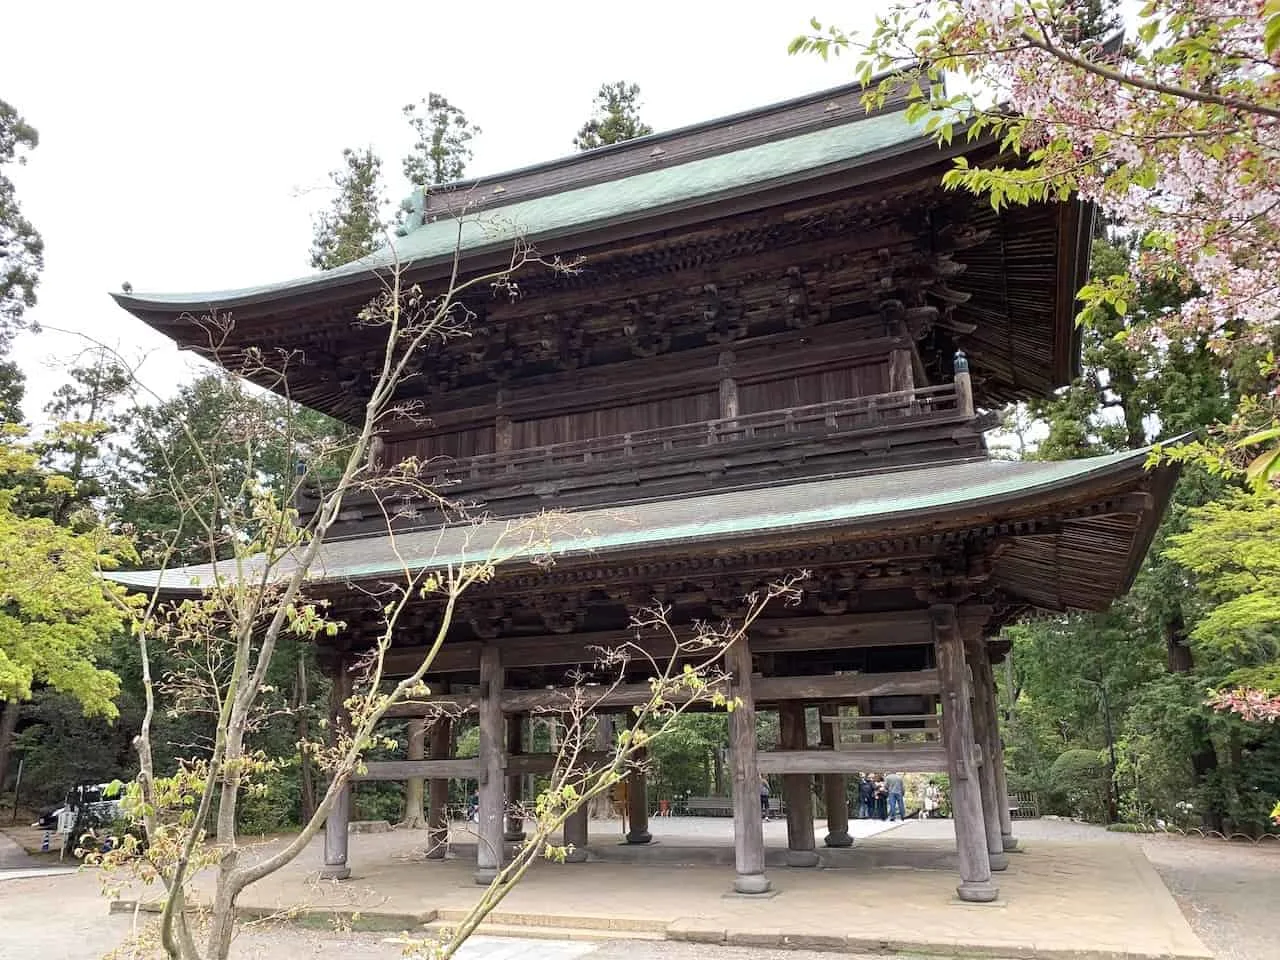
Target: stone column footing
1010, 843
802, 858
838, 840
751, 883
336, 871
977, 891
999, 861
514, 836
576, 855
643, 836
485, 876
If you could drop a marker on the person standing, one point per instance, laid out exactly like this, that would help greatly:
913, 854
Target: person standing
929, 804
895, 788
764, 797
866, 797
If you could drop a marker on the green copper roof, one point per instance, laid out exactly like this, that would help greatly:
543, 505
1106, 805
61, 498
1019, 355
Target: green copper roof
715, 518
804, 156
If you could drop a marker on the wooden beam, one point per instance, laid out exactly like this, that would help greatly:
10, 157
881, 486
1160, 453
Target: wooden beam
842, 632
857, 758
844, 686
450, 769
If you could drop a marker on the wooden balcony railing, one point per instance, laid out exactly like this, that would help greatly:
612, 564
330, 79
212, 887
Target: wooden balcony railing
889, 410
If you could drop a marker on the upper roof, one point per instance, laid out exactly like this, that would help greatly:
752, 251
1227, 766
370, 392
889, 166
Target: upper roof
938, 498
638, 179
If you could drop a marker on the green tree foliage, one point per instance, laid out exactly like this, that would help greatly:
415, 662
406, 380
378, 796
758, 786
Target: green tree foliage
353, 225
442, 150
55, 613
615, 117
21, 249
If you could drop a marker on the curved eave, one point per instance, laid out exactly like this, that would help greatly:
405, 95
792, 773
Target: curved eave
950, 497
763, 178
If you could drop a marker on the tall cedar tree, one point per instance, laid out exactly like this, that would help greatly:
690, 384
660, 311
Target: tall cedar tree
443, 146
21, 249
615, 117
352, 226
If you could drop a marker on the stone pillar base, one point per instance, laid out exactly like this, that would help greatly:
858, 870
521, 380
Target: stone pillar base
576, 855
999, 861
639, 836
977, 891
514, 836
1010, 842
751, 883
485, 875
838, 840
802, 858
335, 871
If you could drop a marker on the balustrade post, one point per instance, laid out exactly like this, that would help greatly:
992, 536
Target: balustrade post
964, 385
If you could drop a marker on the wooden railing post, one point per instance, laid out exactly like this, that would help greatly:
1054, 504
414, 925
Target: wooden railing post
964, 386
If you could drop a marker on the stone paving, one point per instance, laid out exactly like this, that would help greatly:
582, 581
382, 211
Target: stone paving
894, 891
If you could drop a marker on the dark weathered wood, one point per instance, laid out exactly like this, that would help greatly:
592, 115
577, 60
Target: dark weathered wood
770, 690
514, 831
966, 795
797, 789
993, 747
834, 785
795, 634
748, 824
492, 805
438, 791
638, 804
909, 757
983, 720
575, 835
339, 817
448, 769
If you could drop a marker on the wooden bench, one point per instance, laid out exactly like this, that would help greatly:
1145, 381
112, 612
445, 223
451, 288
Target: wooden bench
720, 807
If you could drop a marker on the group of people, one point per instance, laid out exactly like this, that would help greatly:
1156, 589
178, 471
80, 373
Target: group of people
880, 797
883, 797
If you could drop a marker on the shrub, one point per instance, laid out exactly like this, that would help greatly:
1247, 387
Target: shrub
1078, 785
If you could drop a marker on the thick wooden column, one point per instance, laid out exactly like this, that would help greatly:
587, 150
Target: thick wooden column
416, 749
638, 804
748, 826
575, 835
957, 725
995, 746
491, 813
983, 717
514, 831
337, 823
797, 789
438, 798
834, 785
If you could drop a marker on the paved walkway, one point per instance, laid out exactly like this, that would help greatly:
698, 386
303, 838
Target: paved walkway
895, 891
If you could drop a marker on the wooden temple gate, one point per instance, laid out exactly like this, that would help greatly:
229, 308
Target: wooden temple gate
781, 353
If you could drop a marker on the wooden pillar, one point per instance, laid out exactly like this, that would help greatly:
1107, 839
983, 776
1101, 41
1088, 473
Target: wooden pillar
638, 803
995, 745
797, 789
748, 826
728, 387
490, 816
514, 831
983, 716
337, 823
438, 799
957, 725
416, 749
575, 835
834, 785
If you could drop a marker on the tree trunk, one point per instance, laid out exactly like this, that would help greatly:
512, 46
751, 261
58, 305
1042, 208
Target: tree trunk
8, 724
1204, 759
306, 769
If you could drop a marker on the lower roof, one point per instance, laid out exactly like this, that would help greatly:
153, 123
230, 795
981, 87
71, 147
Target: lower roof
1090, 560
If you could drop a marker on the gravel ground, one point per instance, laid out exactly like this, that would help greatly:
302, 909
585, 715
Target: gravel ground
1229, 892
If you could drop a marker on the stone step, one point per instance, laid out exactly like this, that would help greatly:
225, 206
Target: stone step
527, 921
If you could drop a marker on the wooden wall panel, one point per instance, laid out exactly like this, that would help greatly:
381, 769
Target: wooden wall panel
612, 421
796, 391
457, 443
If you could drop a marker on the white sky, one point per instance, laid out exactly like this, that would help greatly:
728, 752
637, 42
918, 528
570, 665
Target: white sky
185, 147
